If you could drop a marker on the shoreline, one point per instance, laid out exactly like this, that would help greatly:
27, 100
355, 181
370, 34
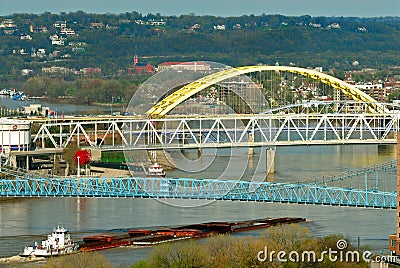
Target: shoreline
141, 238
74, 100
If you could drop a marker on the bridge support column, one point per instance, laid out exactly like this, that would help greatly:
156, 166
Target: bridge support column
27, 163
270, 161
251, 140
199, 149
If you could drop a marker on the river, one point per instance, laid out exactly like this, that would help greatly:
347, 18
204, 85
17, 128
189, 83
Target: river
28, 219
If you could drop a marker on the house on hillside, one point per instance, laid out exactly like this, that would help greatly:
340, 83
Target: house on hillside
90, 71
25, 36
60, 24
96, 25
38, 29
67, 31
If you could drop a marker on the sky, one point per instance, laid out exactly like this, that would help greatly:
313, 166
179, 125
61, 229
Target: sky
224, 8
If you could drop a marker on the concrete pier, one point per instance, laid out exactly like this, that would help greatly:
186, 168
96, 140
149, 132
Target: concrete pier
199, 149
251, 140
270, 161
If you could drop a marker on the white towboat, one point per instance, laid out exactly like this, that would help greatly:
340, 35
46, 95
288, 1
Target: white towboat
58, 243
155, 171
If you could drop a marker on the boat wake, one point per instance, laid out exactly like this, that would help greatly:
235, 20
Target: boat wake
19, 259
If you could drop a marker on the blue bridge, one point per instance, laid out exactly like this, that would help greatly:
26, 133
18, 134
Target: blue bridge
316, 193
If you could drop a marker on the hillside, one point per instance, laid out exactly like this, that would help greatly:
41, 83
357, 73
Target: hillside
109, 41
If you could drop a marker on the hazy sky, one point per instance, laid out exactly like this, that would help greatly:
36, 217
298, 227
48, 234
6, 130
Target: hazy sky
357, 8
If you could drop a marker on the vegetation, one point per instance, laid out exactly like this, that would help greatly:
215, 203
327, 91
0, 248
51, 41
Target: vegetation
111, 45
113, 157
110, 41
81, 260
83, 90
228, 251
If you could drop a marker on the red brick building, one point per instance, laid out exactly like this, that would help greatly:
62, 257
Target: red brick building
141, 68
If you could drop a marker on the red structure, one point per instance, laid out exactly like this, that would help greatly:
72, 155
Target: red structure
83, 156
140, 68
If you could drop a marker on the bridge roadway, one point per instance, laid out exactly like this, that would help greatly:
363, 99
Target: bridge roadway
18, 183
189, 188
273, 129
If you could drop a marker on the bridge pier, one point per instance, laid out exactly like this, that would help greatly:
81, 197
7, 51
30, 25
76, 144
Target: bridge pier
251, 140
270, 161
199, 149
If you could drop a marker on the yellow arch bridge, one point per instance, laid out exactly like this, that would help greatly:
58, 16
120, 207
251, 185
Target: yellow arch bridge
164, 106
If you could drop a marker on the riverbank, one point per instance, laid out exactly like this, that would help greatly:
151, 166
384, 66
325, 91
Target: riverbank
67, 106
74, 100
139, 238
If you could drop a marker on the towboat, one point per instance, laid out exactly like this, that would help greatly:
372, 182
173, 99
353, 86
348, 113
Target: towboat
58, 243
155, 171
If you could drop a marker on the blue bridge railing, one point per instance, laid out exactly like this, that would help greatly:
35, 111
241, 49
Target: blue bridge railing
189, 188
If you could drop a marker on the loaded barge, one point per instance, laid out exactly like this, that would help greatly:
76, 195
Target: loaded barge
149, 237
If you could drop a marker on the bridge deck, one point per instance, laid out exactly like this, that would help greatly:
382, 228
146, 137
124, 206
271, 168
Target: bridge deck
187, 188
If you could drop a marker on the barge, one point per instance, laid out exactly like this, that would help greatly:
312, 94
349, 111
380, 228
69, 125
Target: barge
60, 242
150, 237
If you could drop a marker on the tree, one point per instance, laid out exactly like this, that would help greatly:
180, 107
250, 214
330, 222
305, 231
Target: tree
80, 260
226, 251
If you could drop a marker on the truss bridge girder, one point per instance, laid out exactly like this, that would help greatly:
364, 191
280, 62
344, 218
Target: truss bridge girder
223, 131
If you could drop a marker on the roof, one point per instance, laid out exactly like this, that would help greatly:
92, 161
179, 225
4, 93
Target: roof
170, 63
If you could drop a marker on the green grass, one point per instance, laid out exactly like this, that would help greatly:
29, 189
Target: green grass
112, 157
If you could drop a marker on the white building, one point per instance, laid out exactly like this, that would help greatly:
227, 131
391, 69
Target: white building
26, 72
60, 24
67, 31
157, 22
220, 27
25, 37
334, 25
57, 40
36, 109
199, 66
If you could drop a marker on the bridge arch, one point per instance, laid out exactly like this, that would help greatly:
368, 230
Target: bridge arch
164, 106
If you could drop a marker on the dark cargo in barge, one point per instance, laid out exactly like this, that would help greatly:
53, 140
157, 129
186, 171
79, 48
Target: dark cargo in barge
148, 237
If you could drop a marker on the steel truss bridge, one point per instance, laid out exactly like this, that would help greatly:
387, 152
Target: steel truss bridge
198, 189
319, 192
310, 123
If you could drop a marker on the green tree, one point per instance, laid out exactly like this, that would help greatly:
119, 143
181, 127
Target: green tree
80, 260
